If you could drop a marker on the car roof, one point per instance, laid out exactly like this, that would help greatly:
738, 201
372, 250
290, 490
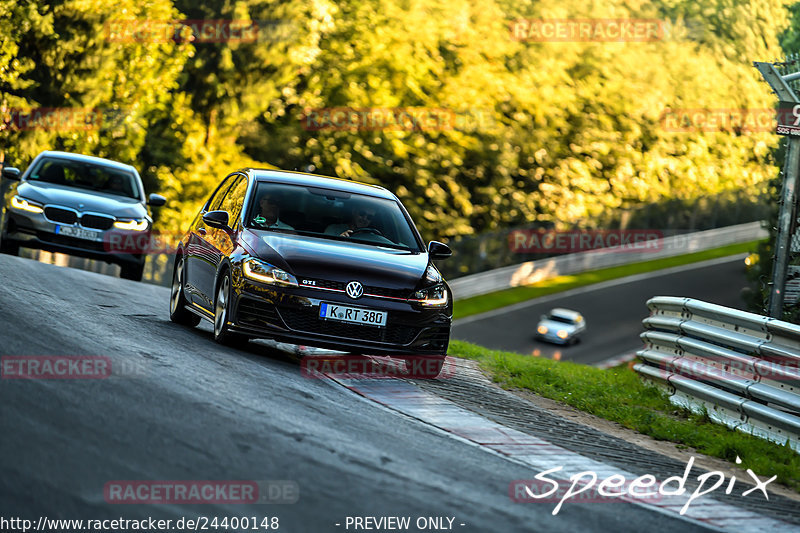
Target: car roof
565, 313
87, 159
315, 180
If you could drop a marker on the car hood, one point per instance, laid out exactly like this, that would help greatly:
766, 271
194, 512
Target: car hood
82, 200
552, 325
319, 258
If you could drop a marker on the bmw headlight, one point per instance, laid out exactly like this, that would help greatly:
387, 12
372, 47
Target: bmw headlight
18, 202
264, 272
132, 225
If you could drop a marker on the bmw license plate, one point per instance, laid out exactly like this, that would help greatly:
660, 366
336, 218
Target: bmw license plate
353, 315
78, 233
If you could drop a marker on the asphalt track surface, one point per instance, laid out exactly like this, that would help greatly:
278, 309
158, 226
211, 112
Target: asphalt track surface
189, 409
613, 311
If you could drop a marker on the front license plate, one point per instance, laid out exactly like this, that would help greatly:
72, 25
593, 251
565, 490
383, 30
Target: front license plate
354, 315
78, 233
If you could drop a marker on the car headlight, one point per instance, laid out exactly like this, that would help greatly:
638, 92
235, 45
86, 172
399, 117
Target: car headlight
562, 334
132, 225
266, 273
542, 329
432, 296
18, 202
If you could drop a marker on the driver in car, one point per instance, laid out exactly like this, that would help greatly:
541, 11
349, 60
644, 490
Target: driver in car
360, 221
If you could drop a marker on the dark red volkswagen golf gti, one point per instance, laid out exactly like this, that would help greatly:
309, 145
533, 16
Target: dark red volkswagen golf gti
312, 260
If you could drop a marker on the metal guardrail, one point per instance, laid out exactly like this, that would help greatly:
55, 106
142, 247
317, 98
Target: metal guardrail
741, 368
534, 271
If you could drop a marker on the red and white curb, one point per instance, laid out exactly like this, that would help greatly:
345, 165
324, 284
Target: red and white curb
405, 397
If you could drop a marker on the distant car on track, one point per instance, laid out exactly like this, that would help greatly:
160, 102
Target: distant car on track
313, 260
561, 326
73, 203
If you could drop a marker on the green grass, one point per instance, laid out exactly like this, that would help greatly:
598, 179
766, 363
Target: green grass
495, 300
618, 395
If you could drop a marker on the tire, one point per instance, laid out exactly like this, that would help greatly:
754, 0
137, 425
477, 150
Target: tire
132, 272
424, 367
177, 301
222, 305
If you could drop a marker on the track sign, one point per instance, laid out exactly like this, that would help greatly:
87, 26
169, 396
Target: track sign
788, 118
792, 290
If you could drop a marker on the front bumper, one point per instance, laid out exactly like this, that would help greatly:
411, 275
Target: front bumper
35, 231
291, 315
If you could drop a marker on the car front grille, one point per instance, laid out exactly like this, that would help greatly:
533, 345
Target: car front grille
97, 222
308, 321
368, 289
62, 216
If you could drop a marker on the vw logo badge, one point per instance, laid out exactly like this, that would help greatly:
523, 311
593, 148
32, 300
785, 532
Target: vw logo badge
354, 290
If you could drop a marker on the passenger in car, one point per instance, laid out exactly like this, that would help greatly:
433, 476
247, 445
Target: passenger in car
269, 217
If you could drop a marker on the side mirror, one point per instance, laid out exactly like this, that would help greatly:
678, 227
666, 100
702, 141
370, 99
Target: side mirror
156, 200
438, 250
217, 219
11, 173
542, 317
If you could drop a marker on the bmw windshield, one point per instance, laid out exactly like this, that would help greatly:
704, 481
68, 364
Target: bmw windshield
331, 214
85, 176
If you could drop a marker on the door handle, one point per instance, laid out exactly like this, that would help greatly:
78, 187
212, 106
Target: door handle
201, 231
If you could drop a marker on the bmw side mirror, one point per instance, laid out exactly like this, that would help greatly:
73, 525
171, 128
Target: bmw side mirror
156, 200
217, 219
438, 250
11, 173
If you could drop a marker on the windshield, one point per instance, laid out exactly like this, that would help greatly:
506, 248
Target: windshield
330, 214
86, 176
563, 320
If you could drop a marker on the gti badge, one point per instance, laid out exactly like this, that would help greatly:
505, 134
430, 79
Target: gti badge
354, 290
